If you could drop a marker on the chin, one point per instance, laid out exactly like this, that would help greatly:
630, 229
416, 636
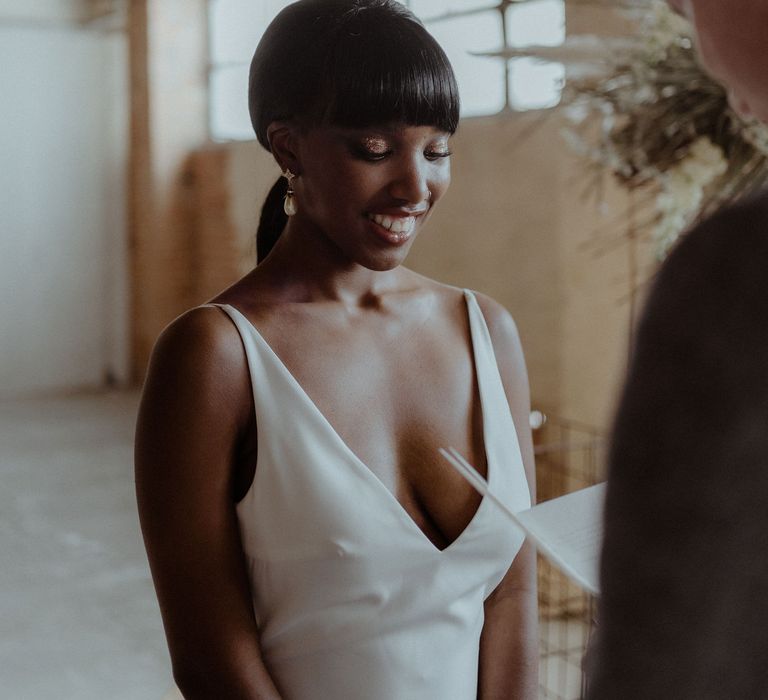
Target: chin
383, 263
380, 258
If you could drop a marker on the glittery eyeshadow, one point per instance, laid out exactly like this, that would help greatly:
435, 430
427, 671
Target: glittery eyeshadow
375, 144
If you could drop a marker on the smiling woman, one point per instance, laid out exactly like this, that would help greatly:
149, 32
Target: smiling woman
333, 85
393, 174
306, 540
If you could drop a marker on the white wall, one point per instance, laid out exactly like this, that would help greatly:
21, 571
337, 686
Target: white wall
63, 133
42, 11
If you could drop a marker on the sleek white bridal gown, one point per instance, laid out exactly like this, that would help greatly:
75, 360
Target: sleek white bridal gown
353, 601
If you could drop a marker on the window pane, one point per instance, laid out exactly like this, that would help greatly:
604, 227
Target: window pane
228, 95
237, 25
535, 85
538, 22
481, 80
434, 8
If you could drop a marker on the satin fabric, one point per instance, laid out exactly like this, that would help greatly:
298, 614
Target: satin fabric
353, 601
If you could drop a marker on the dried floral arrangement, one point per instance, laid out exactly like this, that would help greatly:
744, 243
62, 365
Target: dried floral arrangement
666, 126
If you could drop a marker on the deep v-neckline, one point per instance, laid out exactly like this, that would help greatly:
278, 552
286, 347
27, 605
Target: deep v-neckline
398, 508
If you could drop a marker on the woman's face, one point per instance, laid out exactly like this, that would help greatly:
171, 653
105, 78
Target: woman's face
370, 190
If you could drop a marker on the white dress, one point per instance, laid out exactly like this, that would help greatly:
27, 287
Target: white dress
352, 600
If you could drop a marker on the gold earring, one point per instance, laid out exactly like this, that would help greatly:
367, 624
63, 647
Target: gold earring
289, 203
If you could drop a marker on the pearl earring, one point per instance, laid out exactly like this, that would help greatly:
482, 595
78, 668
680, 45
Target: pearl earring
289, 203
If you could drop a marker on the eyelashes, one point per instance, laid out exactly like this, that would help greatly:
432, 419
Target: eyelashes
375, 156
369, 155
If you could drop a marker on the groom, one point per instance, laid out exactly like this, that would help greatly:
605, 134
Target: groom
684, 607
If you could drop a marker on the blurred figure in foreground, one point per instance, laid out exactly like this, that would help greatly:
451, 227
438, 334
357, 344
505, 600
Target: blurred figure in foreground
684, 610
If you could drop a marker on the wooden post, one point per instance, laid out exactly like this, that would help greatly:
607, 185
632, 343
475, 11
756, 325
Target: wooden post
168, 55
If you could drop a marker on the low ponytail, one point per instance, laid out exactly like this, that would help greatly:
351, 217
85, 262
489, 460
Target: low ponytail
272, 220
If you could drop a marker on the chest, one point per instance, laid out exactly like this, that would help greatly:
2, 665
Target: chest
392, 398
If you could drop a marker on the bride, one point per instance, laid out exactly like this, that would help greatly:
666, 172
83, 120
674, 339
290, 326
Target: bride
305, 537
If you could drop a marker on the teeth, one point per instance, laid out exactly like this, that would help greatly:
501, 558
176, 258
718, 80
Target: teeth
396, 224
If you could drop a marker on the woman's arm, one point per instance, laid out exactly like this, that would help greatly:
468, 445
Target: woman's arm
195, 408
509, 645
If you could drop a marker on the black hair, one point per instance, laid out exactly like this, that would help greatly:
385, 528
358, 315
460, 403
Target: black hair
348, 63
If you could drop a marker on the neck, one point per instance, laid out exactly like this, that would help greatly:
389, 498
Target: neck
307, 267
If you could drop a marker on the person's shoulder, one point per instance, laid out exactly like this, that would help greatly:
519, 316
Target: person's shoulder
501, 325
722, 257
739, 231
203, 330
752, 207
496, 316
201, 345
445, 297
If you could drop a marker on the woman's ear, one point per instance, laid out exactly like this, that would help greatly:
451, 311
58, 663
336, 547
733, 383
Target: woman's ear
283, 144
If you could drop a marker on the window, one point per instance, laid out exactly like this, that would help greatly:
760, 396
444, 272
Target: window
466, 29
533, 84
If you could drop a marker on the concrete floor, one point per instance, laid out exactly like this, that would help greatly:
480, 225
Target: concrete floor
78, 612
79, 616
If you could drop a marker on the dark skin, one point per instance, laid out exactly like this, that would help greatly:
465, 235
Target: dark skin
338, 308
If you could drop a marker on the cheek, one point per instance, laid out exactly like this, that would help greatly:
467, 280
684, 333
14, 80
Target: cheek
732, 47
337, 193
742, 73
441, 182
709, 55
325, 180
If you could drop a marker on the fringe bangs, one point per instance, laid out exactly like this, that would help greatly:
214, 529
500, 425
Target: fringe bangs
378, 75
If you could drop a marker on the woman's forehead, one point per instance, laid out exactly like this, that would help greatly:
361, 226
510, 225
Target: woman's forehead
395, 127
389, 129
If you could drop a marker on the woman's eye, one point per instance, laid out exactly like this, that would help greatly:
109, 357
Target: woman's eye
375, 155
372, 148
437, 154
370, 154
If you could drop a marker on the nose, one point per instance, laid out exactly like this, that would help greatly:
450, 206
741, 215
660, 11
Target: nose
410, 184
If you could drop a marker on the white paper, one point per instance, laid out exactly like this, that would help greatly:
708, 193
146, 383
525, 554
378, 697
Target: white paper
567, 530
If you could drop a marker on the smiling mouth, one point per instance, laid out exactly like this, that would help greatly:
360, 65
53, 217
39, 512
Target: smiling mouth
400, 225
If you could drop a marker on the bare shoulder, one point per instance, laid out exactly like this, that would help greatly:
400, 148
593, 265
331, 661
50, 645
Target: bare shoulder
501, 325
507, 348
199, 361
203, 339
